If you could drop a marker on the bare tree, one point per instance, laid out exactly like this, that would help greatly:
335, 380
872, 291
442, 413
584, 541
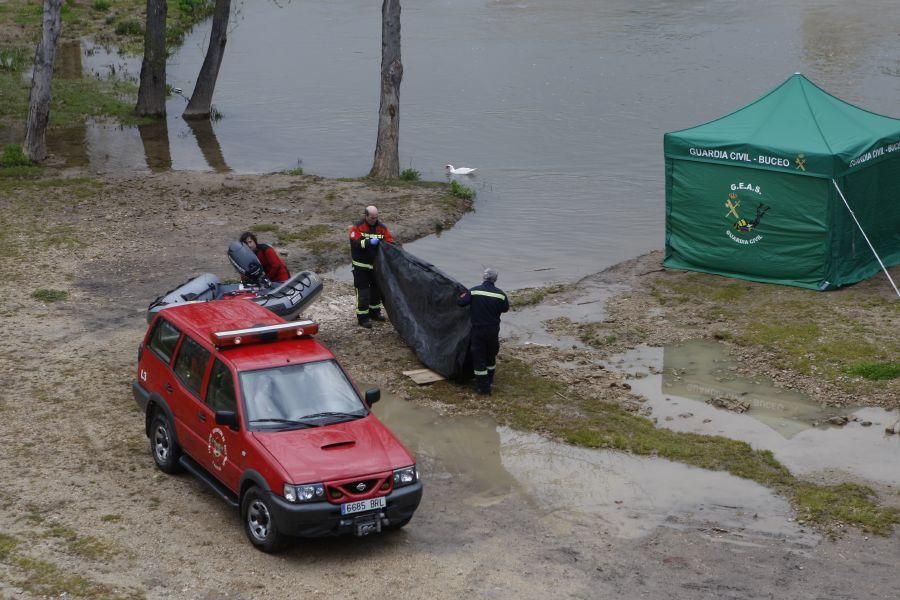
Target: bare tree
151, 100
201, 100
387, 158
39, 101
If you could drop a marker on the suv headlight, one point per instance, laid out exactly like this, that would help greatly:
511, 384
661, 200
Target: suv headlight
405, 476
308, 492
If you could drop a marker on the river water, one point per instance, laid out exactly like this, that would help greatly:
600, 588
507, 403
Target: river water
560, 104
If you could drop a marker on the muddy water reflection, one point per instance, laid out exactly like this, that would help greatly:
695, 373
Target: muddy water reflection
608, 492
678, 381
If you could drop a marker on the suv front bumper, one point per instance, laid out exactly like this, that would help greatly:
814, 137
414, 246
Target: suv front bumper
322, 519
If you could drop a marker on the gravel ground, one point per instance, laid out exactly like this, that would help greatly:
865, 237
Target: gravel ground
86, 513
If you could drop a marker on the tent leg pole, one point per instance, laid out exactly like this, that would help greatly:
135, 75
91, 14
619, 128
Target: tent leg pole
878, 258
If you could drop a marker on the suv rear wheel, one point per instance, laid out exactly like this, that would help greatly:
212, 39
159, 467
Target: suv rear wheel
163, 446
259, 523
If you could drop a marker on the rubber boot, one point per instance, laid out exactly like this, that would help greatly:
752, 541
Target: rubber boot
376, 315
364, 322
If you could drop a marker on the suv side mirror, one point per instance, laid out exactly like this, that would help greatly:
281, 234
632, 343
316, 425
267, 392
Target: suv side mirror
228, 418
373, 396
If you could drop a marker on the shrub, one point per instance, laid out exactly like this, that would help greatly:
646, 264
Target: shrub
49, 295
129, 27
13, 59
461, 191
13, 156
410, 175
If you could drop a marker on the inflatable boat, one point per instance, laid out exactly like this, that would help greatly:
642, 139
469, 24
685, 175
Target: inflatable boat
286, 299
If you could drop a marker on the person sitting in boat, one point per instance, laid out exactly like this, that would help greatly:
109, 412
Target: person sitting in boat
272, 264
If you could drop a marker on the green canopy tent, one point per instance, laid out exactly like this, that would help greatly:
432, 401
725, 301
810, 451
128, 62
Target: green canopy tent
797, 188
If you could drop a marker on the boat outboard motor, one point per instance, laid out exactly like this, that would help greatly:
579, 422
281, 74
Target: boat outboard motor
246, 263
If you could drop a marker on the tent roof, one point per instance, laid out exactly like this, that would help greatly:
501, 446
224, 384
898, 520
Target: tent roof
796, 119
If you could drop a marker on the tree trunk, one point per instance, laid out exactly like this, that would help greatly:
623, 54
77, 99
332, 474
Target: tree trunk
39, 101
151, 100
201, 100
387, 157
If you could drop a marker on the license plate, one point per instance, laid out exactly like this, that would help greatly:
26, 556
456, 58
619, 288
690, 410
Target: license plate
362, 505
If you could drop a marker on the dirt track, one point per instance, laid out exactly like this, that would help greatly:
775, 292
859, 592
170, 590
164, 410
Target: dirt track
87, 513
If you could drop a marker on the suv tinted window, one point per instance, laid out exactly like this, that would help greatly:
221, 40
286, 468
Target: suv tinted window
164, 339
220, 392
190, 365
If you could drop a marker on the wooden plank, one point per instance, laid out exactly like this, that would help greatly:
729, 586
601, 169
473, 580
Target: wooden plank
423, 376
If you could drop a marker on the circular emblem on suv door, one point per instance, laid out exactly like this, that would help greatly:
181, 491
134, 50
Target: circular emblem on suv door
217, 448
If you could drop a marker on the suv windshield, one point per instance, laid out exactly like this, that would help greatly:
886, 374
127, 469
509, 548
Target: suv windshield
301, 395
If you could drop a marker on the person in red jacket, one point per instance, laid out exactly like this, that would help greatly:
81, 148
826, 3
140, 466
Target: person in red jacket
365, 235
271, 263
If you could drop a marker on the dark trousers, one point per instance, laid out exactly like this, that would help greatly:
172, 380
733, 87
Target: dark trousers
368, 296
484, 344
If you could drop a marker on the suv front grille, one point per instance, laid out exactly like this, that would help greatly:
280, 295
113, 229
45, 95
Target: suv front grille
357, 489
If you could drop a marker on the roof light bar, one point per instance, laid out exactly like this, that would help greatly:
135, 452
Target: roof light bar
265, 333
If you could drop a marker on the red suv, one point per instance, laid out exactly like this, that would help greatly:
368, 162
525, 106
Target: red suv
265, 415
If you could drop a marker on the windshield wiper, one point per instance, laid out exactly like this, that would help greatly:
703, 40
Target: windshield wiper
340, 415
283, 422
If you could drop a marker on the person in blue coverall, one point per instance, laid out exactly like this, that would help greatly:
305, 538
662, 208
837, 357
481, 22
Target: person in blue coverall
486, 303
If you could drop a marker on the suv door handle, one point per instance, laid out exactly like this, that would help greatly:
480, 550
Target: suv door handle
201, 416
169, 388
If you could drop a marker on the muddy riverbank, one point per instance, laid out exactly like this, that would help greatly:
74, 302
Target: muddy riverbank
87, 514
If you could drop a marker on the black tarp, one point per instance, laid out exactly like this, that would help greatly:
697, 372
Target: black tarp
421, 302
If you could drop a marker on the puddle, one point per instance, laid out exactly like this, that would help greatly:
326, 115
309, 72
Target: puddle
633, 495
525, 326
626, 496
678, 380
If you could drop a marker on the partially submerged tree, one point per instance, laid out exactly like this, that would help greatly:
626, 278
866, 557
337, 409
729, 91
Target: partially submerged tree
387, 158
39, 101
151, 100
200, 104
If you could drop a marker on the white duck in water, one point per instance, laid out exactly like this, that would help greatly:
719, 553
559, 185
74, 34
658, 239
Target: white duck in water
460, 171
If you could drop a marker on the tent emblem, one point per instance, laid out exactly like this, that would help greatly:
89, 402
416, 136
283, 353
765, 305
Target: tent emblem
732, 206
801, 161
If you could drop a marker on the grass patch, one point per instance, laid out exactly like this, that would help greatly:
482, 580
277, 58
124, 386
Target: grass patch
461, 191
73, 100
528, 401
845, 503
296, 171
7, 546
49, 295
531, 296
101, 5
410, 175
12, 156
825, 335
85, 546
875, 371
43, 578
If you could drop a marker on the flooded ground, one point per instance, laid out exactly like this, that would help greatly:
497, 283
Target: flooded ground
561, 106
620, 495
679, 381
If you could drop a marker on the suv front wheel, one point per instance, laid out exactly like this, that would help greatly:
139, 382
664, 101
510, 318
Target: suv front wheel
259, 523
163, 446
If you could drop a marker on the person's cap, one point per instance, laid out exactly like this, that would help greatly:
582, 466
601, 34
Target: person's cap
490, 274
